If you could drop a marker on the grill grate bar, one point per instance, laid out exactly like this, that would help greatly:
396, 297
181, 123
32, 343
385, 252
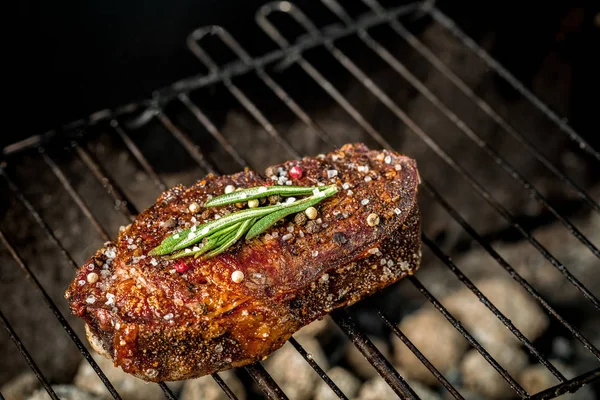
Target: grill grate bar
265, 382
317, 368
212, 129
193, 149
23, 350
141, 159
224, 387
392, 106
449, 24
394, 328
75, 196
230, 42
168, 392
498, 159
121, 201
504, 264
61, 319
513, 329
568, 387
416, 44
373, 355
456, 324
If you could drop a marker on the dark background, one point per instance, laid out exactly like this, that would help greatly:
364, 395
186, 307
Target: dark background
76, 57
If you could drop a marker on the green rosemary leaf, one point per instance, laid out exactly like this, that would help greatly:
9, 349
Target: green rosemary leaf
257, 193
244, 226
207, 245
267, 221
192, 236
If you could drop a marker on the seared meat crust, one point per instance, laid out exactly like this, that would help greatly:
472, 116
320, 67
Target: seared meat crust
162, 325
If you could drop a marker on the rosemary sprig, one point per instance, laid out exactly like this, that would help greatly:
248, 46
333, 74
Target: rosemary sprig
218, 235
257, 193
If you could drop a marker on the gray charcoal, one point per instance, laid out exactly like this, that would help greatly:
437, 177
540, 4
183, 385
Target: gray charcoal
20, 387
512, 300
479, 376
536, 378
291, 371
377, 389
206, 388
128, 386
64, 392
433, 335
360, 365
344, 380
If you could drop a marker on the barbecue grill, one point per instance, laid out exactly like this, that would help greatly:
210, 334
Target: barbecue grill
183, 117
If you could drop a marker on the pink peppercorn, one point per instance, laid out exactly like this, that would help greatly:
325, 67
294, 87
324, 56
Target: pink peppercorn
182, 267
296, 172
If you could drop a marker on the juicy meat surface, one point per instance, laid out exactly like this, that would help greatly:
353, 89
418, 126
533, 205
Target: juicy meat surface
164, 320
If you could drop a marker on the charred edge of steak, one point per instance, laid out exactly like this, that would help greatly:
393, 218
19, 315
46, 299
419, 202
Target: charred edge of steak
185, 354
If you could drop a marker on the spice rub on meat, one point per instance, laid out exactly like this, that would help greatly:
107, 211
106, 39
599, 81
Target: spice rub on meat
164, 320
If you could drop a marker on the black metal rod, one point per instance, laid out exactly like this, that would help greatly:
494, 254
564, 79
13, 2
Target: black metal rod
507, 322
434, 371
192, 148
511, 271
228, 392
265, 382
123, 204
75, 196
373, 355
23, 350
61, 319
270, 29
167, 391
451, 26
38, 218
569, 386
138, 155
237, 49
212, 129
317, 368
422, 49
456, 324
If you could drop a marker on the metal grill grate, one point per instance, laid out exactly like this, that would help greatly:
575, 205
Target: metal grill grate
154, 109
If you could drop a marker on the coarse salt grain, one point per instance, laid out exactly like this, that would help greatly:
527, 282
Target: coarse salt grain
287, 237
374, 250
290, 200
364, 202
176, 236
92, 277
237, 276
110, 299
350, 192
90, 300
315, 253
81, 282
387, 159
288, 183
397, 211
368, 179
168, 316
398, 167
188, 250
331, 173
262, 189
275, 235
301, 234
362, 168
290, 229
346, 186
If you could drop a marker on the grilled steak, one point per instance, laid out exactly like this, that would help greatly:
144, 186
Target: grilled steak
161, 319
